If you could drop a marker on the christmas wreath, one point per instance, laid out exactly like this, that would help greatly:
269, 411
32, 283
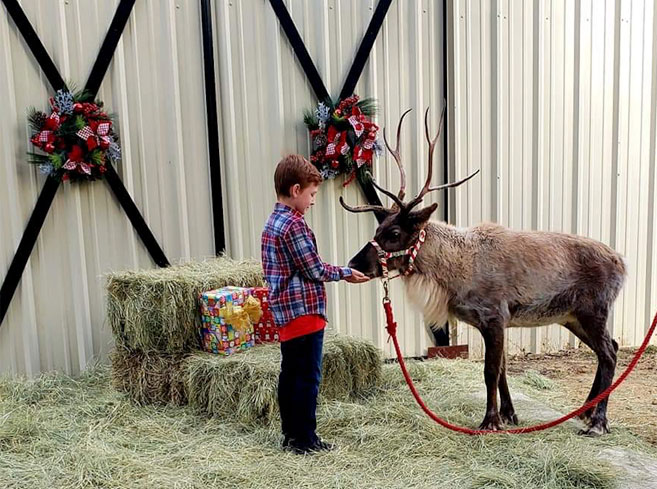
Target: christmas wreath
343, 137
76, 139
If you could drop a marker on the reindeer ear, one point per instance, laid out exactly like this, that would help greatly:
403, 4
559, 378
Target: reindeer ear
417, 218
382, 214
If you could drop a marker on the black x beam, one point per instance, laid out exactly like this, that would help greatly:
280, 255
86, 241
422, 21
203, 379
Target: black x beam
45, 199
213, 126
315, 79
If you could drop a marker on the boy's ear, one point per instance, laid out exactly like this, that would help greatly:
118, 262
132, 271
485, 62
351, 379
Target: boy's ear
295, 190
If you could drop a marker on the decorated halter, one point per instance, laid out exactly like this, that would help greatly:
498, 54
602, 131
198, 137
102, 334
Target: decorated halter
384, 256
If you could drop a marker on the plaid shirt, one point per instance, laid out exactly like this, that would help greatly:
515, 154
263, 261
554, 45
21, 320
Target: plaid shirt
293, 270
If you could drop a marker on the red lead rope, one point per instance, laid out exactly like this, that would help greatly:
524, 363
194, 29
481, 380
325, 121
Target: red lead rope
392, 331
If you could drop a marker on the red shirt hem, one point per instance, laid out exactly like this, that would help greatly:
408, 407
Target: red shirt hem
301, 326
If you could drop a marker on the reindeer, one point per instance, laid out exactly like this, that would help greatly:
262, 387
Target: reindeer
494, 278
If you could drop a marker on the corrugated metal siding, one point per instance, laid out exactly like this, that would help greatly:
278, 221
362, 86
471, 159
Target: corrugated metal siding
155, 86
556, 102
263, 94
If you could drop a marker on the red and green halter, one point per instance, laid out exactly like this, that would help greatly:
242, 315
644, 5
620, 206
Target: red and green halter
412, 252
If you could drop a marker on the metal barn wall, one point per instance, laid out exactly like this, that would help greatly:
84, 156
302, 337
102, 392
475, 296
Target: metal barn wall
155, 87
556, 101
263, 94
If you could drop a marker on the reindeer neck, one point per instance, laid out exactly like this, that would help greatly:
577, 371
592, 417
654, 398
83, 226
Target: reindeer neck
444, 257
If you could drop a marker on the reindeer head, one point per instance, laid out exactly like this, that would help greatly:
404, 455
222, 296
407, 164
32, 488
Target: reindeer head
401, 224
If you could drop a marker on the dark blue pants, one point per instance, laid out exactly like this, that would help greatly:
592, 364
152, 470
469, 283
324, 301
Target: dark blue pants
298, 386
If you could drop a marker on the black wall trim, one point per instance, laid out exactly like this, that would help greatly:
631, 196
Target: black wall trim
47, 195
26, 245
135, 217
441, 336
34, 43
213, 127
354, 73
300, 50
365, 48
108, 47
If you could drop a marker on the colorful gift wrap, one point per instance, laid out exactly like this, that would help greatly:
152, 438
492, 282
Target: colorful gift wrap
227, 318
265, 329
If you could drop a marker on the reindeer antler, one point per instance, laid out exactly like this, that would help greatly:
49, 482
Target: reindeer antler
395, 153
432, 145
398, 199
362, 208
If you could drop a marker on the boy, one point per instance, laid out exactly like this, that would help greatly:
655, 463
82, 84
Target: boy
295, 275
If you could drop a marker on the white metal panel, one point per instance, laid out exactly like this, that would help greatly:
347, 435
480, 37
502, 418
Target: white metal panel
572, 144
554, 100
155, 87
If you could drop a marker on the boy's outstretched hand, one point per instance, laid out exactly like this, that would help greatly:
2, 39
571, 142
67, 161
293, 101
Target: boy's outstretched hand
357, 277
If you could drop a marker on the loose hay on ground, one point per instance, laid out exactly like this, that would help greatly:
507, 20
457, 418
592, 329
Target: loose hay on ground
56, 432
157, 310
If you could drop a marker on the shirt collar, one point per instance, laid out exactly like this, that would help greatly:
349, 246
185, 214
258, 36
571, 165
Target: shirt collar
286, 208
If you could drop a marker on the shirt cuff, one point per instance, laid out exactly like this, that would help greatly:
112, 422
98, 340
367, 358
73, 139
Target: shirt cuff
345, 272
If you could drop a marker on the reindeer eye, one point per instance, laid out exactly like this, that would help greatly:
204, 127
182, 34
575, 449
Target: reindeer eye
395, 234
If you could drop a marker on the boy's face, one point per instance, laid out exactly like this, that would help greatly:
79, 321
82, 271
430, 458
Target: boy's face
303, 199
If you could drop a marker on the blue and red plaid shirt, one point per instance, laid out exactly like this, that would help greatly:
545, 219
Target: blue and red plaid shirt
294, 272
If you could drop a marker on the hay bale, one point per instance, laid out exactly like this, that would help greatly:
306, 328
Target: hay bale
363, 361
337, 381
157, 310
243, 387
149, 378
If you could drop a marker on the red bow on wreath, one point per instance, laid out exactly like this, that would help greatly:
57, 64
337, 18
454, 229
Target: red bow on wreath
44, 139
337, 142
96, 134
363, 153
75, 160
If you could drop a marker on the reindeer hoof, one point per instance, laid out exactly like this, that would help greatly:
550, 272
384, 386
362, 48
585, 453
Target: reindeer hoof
510, 418
491, 423
597, 429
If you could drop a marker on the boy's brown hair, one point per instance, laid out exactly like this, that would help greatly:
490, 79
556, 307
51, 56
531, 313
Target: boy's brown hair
294, 169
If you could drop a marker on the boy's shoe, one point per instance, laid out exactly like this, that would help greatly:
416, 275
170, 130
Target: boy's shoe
322, 446
298, 449
305, 449
293, 446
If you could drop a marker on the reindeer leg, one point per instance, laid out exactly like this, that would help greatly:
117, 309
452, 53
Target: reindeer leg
596, 389
507, 412
605, 349
493, 333
578, 331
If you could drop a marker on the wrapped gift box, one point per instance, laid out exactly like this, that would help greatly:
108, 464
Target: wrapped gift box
265, 330
227, 319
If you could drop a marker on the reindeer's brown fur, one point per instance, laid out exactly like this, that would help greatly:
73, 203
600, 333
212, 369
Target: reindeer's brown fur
493, 278
536, 278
